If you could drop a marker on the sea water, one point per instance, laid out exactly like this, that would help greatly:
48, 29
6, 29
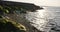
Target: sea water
45, 19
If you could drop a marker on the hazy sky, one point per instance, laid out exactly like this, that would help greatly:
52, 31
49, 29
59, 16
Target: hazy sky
41, 2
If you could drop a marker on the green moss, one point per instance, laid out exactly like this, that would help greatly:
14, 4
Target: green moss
11, 26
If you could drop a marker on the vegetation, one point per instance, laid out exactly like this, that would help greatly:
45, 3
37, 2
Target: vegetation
7, 25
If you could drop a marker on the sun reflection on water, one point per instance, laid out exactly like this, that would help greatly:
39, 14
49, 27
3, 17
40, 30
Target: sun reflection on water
38, 19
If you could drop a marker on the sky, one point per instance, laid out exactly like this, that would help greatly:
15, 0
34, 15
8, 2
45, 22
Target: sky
41, 2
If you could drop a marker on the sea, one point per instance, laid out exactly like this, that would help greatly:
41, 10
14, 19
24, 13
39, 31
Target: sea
46, 19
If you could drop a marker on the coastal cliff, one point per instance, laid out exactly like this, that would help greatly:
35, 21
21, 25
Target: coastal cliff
15, 12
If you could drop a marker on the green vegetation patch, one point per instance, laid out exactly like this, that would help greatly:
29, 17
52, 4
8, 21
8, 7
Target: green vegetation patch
6, 25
